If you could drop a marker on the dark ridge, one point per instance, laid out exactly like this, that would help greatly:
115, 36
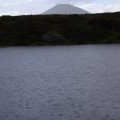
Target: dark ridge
60, 29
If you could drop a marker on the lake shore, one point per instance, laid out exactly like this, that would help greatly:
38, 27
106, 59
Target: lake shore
60, 29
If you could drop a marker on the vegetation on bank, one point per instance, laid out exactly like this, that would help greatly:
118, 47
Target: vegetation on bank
60, 29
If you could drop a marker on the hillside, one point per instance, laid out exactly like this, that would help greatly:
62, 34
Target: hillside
60, 29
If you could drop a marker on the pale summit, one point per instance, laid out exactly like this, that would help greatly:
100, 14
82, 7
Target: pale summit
65, 9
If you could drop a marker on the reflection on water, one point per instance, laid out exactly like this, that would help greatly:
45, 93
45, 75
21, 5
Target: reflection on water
60, 83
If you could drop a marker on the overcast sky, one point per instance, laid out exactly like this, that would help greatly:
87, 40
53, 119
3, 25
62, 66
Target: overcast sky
17, 7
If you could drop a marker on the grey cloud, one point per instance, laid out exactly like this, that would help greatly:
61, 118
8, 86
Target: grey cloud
69, 1
13, 7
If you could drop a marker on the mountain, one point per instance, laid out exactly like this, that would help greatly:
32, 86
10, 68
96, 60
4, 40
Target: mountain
65, 9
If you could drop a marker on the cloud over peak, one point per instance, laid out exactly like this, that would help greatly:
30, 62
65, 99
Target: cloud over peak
17, 7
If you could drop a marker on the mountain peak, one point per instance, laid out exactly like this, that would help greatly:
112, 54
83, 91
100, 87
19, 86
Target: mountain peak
65, 9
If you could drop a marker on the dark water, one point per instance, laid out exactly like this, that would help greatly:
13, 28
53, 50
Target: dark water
60, 83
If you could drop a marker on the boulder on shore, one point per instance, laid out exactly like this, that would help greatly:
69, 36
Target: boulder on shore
53, 36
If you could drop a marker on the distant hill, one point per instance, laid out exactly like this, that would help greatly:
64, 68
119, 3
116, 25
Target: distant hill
65, 9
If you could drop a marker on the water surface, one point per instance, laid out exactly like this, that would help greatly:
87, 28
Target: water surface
60, 83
